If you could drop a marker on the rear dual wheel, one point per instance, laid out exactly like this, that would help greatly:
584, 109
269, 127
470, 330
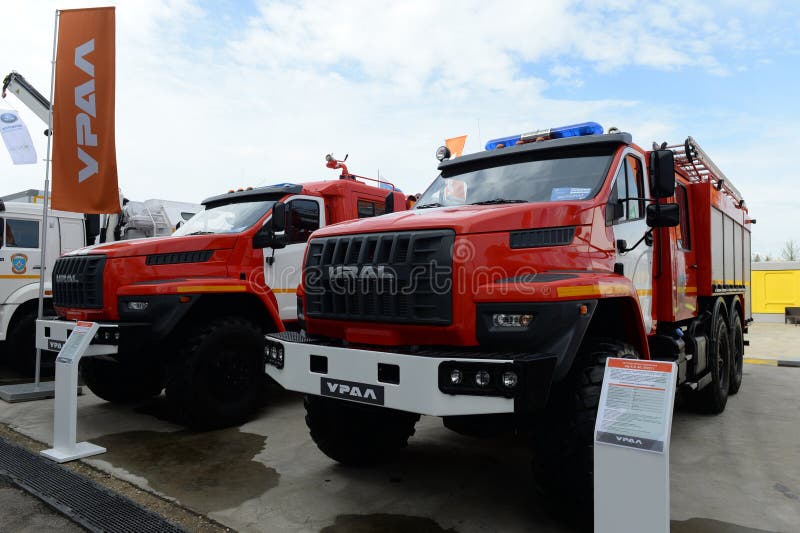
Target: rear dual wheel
737, 353
713, 397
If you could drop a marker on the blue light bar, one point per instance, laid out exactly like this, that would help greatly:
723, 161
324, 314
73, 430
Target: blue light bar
575, 130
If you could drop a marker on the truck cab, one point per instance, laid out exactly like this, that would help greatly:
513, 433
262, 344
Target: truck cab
496, 301
188, 312
20, 269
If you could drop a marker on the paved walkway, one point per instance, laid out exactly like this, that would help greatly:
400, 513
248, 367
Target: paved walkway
773, 341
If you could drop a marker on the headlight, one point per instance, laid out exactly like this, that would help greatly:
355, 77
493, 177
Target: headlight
511, 320
138, 305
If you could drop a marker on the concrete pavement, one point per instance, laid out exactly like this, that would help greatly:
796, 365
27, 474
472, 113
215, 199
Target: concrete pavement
22, 513
738, 472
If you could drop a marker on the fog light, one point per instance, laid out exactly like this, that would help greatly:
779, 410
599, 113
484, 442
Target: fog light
511, 320
510, 380
456, 376
482, 378
136, 305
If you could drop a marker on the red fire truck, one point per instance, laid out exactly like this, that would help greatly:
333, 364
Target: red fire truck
188, 312
495, 302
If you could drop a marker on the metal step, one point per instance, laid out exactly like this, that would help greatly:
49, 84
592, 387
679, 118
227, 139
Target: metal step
87, 503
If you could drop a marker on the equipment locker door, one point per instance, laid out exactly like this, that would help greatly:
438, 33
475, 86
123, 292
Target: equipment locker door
626, 212
283, 267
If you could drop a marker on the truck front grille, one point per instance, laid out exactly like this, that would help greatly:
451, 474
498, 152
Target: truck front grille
398, 277
78, 281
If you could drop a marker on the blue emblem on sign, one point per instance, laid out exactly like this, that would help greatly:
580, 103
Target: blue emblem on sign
8, 118
19, 263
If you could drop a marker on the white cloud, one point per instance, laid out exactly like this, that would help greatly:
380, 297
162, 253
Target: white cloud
204, 104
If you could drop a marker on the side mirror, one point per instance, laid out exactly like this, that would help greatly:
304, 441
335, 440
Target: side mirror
662, 173
267, 238
278, 217
272, 234
663, 215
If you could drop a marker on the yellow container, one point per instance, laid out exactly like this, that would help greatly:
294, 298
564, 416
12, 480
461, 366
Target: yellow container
775, 290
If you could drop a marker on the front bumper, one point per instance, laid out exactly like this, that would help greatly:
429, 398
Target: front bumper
115, 340
405, 381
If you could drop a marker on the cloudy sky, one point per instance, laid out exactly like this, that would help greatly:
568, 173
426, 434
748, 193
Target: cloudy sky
219, 94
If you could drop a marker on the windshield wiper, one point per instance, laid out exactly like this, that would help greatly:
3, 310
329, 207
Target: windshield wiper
201, 233
426, 206
499, 201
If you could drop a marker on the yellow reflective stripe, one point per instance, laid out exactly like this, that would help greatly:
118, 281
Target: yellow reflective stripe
285, 291
19, 276
580, 290
644, 292
592, 290
769, 362
212, 288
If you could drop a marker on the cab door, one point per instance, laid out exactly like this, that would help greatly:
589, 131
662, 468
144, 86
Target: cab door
626, 213
283, 267
20, 256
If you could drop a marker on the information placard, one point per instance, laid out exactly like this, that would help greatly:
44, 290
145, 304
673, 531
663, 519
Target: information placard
75, 342
635, 404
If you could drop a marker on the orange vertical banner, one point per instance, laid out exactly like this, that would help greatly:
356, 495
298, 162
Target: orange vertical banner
84, 149
456, 145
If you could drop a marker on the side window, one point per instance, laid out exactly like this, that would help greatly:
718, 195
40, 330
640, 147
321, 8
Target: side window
22, 233
368, 208
628, 185
615, 210
635, 208
303, 218
684, 235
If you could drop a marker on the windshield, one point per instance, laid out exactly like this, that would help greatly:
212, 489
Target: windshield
542, 180
229, 218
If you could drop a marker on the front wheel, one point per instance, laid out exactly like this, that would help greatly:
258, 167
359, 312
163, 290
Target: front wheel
21, 347
356, 434
216, 380
117, 382
562, 437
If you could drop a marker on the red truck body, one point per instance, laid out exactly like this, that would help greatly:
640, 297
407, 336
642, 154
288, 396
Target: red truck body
496, 301
188, 312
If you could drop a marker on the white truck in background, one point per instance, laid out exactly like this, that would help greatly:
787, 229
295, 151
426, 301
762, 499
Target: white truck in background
21, 236
20, 265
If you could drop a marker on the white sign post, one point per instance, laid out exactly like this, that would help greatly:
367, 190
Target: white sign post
631, 448
65, 413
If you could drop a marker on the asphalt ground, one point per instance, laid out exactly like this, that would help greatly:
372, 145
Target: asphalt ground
738, 472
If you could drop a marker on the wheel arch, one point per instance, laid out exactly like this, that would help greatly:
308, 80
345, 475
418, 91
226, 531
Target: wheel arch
242, 304
621, 319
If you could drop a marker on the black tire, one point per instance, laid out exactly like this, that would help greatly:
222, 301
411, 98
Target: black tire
21, 347
562, 437
355, 434
217, 379
737, 353
713, 397
121, 383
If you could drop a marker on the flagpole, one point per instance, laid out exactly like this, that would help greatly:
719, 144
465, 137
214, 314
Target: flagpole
45, 208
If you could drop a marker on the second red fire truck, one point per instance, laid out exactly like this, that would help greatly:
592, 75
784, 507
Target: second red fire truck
495, 303
188, 313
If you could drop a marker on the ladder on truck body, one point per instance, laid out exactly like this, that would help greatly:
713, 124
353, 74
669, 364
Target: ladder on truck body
699, 167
